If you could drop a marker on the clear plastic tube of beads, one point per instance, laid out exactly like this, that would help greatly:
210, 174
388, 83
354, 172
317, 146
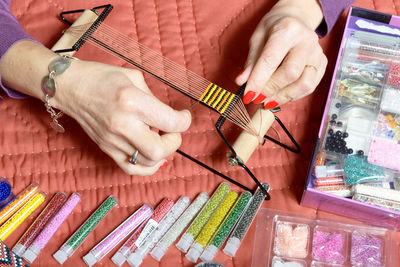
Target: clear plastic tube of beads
119, 233
179, 226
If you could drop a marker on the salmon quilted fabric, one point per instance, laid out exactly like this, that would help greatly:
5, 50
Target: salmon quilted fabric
208, 37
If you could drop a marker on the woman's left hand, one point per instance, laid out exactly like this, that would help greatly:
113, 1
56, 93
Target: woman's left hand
285, 60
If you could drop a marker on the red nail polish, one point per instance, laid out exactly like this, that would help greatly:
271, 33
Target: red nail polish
260, 98
248, 97
271, 104
165, 163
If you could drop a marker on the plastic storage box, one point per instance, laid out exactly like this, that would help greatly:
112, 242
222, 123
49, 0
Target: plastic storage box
360, 128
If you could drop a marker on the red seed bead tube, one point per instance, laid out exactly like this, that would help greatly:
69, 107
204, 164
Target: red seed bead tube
37, 226
141, 234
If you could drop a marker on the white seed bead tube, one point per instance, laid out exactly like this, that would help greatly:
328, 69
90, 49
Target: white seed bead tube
136, 258
179, 226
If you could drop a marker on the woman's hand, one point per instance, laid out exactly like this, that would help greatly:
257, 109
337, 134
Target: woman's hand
285, 60
113, 105
116, 109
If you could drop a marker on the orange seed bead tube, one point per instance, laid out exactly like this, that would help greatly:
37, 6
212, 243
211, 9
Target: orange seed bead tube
18, 202
11, 224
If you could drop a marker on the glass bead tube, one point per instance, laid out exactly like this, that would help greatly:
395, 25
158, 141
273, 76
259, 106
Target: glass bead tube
119, 233
37, 226
14, 221
225, 229
233, 243
18, 202
179, 226
70, 246
138, 238
136, 258
211, 227
6, 194
49, 230
193, 231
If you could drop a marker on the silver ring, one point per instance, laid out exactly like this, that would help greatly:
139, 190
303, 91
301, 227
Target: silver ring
133, 159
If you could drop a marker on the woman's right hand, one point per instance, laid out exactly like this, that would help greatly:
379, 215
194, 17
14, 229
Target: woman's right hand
117, 110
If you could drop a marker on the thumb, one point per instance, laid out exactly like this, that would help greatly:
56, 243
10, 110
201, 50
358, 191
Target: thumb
256, 43
163, 117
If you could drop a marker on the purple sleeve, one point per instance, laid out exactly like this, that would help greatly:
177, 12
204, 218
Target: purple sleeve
10, 33
332, 10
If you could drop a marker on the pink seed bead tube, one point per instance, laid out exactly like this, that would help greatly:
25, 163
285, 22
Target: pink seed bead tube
140, 236
119, 233
47, 233
37, 226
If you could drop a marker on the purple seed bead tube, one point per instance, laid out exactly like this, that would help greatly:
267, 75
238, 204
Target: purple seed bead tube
119, 233
47, 233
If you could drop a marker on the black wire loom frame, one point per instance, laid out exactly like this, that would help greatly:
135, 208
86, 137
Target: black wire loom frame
233, 159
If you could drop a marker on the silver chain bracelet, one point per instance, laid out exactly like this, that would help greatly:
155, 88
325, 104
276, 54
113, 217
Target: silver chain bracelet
56, 67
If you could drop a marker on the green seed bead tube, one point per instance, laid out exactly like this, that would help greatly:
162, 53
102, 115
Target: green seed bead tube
211, 227
69, 247
226, 227
193, 231
234, 241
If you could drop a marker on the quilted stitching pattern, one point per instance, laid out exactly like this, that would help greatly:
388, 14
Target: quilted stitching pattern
205, 40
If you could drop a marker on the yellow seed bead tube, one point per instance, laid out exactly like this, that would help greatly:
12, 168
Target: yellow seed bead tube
11, 224
18, 202
211, 227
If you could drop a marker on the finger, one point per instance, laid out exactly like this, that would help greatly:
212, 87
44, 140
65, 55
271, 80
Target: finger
274, 51
290, 70
256, 43
122, 144
163, 117
150, 144
120, 158
305, 85
138, 80
152, 111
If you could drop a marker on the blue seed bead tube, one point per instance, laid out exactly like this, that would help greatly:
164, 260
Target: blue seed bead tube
6, 194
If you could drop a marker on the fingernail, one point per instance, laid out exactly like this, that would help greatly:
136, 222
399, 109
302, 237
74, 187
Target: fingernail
271, 104
248, 97
260, 98
165, 163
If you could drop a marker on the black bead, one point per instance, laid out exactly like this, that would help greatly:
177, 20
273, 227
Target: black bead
334, 116
345, 134
360, 152
333, 122
338, 105
338, 134
350, 151
330, 131
339, 124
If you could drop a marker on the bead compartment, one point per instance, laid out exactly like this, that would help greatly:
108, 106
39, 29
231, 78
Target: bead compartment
267, 251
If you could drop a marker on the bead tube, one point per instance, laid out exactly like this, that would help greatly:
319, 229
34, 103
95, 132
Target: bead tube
37, 226
18, 202
12, 223
138, 238
193, 231
225, 229
70, 246
211, 227
6, 194
233, 243
136, 258
119, 233
47, 233
174, 232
